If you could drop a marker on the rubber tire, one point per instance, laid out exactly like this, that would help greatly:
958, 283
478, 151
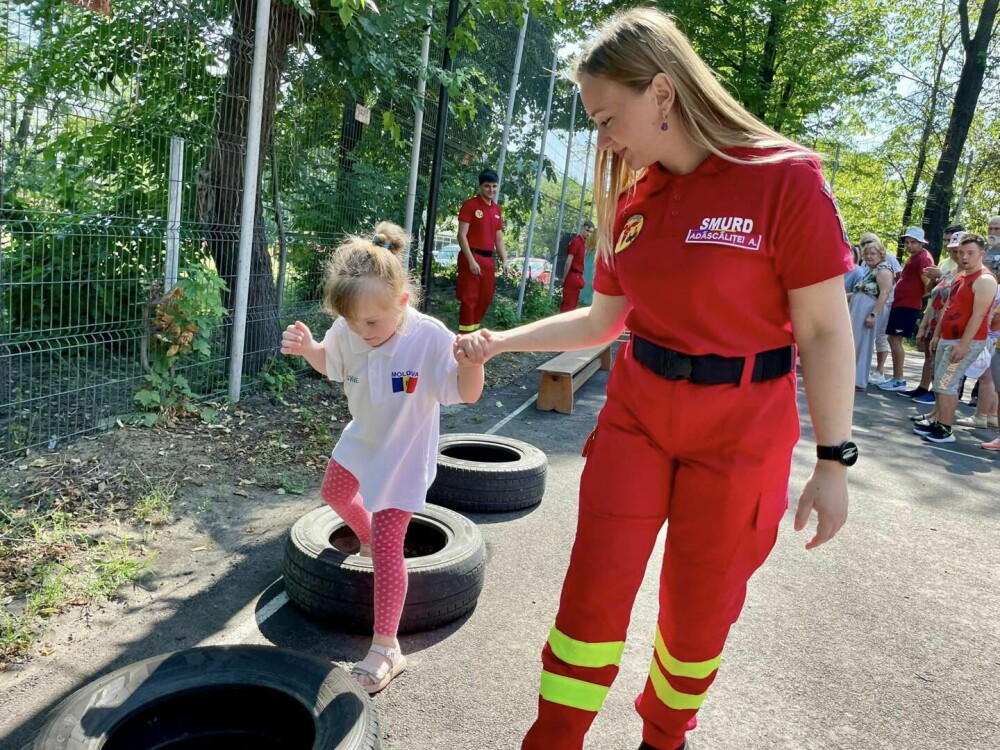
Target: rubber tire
338, 589
488, 487
98, 714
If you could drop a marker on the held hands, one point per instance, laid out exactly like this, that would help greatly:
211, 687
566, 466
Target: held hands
297, 339
932, 272
826, 493
474, 348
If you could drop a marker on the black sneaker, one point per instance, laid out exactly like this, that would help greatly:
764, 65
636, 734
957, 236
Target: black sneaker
938, 433
918, 391
924, 427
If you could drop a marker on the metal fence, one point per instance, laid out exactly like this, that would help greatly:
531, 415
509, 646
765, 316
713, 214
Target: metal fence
122, 160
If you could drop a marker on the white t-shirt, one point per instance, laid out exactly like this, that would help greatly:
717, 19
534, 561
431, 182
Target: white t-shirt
394, 393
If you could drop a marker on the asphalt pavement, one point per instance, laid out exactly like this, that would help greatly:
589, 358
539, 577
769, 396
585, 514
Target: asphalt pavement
884, 638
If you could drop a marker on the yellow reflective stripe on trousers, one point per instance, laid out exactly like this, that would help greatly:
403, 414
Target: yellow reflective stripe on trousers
668, 696
466, 329
573, 693
583, 654
699, 670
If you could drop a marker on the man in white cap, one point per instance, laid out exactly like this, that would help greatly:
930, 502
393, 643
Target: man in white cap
907, 303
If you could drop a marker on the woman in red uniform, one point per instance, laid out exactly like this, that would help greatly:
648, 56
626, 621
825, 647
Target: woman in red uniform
721, 249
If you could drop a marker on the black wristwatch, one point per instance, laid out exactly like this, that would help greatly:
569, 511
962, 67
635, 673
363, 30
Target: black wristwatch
846, 453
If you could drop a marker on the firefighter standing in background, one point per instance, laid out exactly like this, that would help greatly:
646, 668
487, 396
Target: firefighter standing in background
480, 233
721, 249
576, 254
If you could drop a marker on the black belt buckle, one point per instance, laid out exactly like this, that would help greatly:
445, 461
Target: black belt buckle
676, 366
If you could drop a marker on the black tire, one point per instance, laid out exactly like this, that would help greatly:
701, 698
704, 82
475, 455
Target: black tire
251, 697
338, 589
488, 473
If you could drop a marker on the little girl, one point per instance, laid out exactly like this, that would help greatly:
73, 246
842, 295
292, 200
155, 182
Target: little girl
397, 366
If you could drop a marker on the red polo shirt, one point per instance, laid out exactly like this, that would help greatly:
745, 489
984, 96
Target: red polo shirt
707, 259
910, 287
577, 251
484, 220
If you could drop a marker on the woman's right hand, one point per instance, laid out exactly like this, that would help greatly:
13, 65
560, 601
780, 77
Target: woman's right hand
296, 339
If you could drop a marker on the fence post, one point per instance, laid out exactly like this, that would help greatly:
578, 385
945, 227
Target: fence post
174, 193
418, 134
511, 97
562, 198
538, 184
249, 203
583, 189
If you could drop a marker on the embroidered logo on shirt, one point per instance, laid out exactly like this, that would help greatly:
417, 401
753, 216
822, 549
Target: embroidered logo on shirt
731, 231
479, 213
629, 232
405, 381
352, 379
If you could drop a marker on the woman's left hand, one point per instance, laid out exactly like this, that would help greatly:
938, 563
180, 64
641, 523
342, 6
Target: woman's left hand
826, 493
870, 321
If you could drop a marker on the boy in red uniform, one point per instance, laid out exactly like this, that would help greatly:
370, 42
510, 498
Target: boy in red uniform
573, 281
480, 234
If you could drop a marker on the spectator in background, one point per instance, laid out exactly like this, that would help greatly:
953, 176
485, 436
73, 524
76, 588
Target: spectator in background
992, 258
877, 376
572, 276
907, 303
857, 273
869, 297
960, 336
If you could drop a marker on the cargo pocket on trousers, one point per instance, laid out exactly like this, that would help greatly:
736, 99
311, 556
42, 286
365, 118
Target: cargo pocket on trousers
771, 507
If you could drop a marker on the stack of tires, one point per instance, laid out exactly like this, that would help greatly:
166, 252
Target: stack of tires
445, 553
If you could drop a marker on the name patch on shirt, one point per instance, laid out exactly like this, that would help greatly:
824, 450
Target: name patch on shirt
404, 381
732, 231
352, 379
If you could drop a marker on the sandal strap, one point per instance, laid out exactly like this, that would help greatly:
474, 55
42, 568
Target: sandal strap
389, 653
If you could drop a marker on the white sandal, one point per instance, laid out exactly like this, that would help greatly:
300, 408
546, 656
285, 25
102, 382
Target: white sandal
382, 671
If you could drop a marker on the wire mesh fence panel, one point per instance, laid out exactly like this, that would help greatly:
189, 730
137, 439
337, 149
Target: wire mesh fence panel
122, 153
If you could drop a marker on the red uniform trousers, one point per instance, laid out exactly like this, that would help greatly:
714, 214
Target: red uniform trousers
474, 293
572, 286
713, 462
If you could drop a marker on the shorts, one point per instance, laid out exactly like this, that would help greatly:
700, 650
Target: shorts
881, 339
902, 321
947, 374
984, 361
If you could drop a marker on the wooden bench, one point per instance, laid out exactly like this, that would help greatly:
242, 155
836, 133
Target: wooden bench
563, 374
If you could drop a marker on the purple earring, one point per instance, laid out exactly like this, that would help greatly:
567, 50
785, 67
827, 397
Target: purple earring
664, 127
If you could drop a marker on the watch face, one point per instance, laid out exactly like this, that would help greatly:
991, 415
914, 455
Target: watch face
848, 454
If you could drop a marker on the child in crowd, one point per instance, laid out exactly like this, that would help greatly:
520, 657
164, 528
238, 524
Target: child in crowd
397, 367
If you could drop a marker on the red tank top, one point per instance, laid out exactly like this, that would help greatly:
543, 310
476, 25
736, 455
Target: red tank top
959, 311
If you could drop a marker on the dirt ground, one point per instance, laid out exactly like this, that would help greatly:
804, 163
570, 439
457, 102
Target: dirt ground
85, 531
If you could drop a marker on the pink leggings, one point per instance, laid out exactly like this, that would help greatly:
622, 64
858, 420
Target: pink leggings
384, 531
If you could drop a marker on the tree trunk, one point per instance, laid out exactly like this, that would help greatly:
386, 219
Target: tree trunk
220, 192
768, 62
970, 84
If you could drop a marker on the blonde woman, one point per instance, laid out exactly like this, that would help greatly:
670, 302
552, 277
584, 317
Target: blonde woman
869, 298
718, 239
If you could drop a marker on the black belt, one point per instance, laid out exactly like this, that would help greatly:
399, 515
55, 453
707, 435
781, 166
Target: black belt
484, 253
711, 369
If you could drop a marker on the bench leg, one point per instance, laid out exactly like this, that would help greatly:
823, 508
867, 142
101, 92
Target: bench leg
555, 393
606, 358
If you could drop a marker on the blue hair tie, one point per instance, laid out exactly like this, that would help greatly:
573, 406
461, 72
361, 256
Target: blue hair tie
375, 241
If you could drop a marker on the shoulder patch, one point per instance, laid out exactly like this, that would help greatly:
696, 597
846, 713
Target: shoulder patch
629, 232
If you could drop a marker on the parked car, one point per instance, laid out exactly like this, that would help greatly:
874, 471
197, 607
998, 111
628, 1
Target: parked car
539, 269
447, 256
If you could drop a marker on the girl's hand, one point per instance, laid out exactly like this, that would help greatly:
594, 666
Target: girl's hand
870, 321
296, 339
826, 493
474, 348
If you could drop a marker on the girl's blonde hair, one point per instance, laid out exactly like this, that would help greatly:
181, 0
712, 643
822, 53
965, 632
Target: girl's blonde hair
361, 265
631, 50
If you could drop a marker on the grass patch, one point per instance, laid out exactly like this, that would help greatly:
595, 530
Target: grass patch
156, 505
